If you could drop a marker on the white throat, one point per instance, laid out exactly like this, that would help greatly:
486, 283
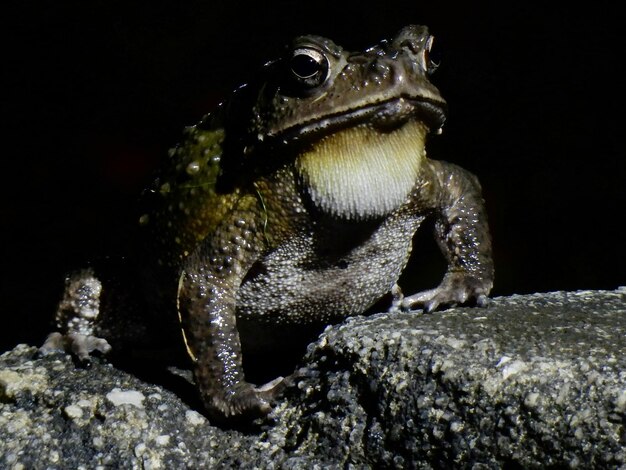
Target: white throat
361, 173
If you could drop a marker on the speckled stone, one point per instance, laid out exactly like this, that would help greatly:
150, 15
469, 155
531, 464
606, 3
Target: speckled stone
531, 381
534, 380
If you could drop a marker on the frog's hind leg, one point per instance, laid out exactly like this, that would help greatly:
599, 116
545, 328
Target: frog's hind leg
76, 317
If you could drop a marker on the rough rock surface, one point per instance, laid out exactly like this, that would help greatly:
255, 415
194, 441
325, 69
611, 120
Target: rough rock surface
531, 381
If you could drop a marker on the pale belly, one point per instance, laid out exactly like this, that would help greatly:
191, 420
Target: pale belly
310, 280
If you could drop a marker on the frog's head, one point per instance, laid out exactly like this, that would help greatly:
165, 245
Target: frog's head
349, 116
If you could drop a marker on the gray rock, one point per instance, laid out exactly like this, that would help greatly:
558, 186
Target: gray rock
531, 381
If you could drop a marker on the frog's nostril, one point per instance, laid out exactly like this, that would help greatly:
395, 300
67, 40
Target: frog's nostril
410, 44
411, 38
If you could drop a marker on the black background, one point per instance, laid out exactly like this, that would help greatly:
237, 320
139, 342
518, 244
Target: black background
97, 91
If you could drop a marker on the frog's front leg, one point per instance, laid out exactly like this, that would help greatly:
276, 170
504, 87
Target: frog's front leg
207, 307
463, 236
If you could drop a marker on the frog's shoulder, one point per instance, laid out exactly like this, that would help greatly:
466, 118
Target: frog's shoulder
183, 204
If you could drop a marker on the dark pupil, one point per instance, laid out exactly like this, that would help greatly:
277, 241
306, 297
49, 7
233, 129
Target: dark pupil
434, 58
304, 66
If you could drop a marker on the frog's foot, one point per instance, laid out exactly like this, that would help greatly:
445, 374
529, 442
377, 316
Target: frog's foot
79, 345
397, 297
455, 289
245, 403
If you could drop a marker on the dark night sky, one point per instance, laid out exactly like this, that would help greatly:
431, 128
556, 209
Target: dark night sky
98, 91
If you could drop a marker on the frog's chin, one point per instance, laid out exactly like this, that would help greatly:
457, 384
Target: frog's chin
362, 173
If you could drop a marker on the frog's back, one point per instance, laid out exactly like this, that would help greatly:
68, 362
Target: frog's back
183, 204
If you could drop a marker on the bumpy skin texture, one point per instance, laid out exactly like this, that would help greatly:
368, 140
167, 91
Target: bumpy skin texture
296, 202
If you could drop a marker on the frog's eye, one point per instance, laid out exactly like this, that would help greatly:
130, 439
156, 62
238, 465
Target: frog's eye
309, 67
431, 57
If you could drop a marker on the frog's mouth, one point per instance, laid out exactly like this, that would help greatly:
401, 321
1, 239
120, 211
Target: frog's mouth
383, 116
